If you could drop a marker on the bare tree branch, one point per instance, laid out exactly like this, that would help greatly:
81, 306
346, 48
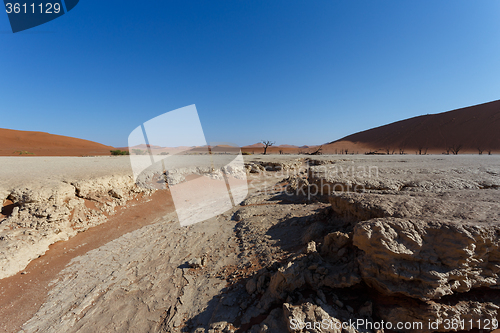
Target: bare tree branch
455, 149
267, 144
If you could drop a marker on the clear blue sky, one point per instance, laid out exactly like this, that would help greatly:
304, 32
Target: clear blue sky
295, 72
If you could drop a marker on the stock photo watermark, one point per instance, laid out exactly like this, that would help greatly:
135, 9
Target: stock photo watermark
24, 15
312, 181
364, 324
204, 180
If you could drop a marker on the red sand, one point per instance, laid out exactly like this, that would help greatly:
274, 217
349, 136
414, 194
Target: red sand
472, 127
13, 142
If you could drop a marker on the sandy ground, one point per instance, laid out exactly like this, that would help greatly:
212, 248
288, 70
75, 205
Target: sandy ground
28, 289
21, 171
131, 273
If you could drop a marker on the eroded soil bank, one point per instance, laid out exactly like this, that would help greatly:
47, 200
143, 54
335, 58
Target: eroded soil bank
22, 294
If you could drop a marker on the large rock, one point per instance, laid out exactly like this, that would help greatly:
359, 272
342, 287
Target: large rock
312, 271
309, 317
428, 260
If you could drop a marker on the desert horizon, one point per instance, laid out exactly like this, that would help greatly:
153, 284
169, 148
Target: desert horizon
469, 130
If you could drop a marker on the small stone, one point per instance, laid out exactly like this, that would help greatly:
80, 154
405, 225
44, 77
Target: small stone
195, 263
311, 247
251, 286
116, 193
261, 283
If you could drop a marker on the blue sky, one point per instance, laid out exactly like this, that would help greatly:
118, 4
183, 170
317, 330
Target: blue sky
295, 72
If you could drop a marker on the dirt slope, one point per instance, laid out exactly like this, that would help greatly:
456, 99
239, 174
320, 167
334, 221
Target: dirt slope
13, 142
472, 127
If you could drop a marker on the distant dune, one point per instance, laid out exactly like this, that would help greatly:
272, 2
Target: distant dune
471, 128
288, 146
13, 143
255, 145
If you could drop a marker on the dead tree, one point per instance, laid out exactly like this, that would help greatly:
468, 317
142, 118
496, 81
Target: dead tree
455, 149
489, 151
267, 144
480, 151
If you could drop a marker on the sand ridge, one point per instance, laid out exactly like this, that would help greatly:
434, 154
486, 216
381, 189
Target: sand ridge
472, 127
14, 142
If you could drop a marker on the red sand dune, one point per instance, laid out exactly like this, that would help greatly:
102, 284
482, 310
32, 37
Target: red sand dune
471, 127
14, 143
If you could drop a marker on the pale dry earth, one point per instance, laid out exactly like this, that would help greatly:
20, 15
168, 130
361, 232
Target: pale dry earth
408, 239
50, 199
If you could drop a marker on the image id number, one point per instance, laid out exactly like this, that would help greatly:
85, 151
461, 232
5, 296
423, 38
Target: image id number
24, 8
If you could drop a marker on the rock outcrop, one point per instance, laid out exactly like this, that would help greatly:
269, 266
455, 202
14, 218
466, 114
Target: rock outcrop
428, 259
52, 212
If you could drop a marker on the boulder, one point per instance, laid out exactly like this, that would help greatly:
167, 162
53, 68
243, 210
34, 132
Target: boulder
428, 259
